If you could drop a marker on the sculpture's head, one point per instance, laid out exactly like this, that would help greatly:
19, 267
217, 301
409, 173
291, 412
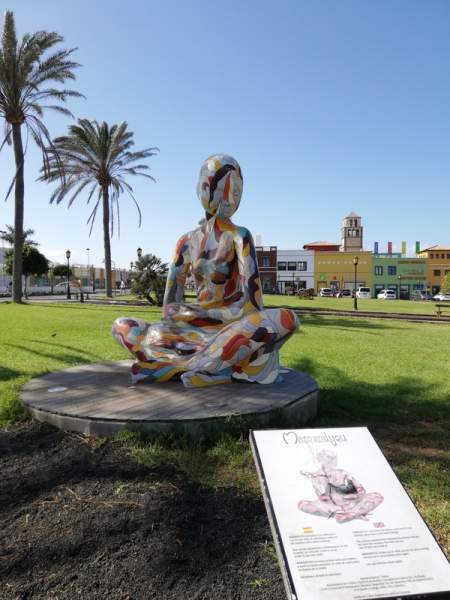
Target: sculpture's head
220, 185
327, 459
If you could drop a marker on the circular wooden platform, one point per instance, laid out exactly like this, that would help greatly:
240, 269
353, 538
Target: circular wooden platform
98, 399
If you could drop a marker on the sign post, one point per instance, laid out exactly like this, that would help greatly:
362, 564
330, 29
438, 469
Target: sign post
343, 525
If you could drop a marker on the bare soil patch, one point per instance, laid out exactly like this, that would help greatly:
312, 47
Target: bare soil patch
82, 519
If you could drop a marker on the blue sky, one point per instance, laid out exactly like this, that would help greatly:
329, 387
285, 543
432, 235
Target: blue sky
330, 107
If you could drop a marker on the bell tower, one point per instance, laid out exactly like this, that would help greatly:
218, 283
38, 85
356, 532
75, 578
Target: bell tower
351, 233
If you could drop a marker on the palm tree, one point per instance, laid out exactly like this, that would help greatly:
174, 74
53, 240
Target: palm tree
150, 277
7, 235
26, 78
97, 157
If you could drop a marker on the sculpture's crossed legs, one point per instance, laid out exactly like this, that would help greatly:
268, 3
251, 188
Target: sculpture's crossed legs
352, 509
246, 349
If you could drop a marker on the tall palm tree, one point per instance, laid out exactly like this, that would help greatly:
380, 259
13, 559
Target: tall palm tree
97, 157
7, 235
27, 74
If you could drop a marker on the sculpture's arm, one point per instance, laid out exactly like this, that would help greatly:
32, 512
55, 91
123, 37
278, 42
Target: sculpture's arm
178, 271
322, 488
248, 271
358, 487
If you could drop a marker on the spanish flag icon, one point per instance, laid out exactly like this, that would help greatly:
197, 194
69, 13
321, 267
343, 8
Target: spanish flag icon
307, 529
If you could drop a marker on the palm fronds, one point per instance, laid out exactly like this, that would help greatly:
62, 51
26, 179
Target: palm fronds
97, 157
27, 78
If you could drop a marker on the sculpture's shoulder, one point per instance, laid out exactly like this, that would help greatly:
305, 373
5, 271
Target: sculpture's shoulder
184, 244
242, 233
243, 239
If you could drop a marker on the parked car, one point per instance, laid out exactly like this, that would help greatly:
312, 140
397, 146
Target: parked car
421, 295
326, 292
344, 293
363, 292
442, 297
387, 295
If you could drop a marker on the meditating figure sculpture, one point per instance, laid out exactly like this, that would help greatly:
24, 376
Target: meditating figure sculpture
226, 335
339, 494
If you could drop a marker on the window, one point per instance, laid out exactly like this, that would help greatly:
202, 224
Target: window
267, 285
437, 272
431, 255
448, 255
292, 266
266, 261
282, 266
378, 270
303, 265
442, 255
392, 270
356, 232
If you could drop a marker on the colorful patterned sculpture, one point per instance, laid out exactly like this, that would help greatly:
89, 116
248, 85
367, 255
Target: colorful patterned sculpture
226, 335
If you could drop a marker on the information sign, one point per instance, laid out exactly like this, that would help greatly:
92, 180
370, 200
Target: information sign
343, 525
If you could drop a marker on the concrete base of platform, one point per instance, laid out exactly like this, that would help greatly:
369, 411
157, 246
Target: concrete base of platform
99, 399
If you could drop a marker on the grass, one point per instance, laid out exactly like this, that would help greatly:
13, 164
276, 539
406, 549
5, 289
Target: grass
372, 305
40, 338
393, 376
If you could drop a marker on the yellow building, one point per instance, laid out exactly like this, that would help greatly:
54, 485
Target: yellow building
438, 265
336, 270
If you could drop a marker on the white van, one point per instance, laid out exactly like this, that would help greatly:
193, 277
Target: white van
363, 292
387, 295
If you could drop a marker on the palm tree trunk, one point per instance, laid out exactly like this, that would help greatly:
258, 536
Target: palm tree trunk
18, 213
106, 241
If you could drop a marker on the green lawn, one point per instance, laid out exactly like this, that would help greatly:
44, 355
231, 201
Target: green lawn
373, 305
393, 376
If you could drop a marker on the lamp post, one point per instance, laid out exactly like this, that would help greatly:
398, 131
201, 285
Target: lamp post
139, 252
131, 273
88, 271
355, 299
68, 273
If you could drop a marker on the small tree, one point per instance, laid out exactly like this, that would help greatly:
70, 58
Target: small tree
33, 263
62, 271
149, 279
445, 285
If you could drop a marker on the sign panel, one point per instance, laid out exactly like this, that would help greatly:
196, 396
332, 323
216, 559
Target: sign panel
343, 525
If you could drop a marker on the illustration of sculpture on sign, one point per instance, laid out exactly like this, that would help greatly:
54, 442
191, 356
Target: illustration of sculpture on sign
226, 335
339, 494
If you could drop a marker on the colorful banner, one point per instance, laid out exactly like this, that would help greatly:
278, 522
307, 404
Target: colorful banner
389, 247
404, 248
417, 247
375, 248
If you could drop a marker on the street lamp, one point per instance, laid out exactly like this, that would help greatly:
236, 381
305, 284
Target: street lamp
355, 300
88, 271
139, 252
68, 272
